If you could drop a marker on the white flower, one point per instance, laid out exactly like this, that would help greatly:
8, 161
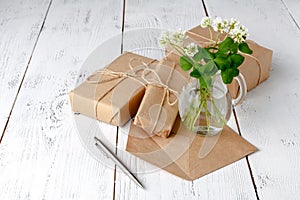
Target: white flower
191, 50
206, 22
233, 23
219, 25
178, 37
171, 38
225, 25
239, 34
164, 39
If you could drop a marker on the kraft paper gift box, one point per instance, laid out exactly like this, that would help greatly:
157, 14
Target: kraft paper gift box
255, 68
159, 106
186, 154
113, 94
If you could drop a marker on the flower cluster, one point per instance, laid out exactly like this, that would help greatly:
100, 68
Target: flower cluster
172, 38
176, 39
191, 49
232, 27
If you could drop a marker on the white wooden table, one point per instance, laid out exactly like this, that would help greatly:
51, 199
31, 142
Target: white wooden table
43, 44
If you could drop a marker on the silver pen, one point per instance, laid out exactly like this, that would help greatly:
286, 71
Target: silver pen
112, 156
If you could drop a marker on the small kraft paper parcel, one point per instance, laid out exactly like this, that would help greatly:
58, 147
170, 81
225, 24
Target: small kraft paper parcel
113, 94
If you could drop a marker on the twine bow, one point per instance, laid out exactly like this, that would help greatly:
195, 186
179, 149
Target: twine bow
167, 90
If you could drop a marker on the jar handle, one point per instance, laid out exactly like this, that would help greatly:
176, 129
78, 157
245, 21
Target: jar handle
243, 90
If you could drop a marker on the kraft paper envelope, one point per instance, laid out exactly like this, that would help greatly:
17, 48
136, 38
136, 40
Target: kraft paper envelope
186, 154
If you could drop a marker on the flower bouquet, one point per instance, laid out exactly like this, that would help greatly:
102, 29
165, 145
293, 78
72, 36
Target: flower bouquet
205, 104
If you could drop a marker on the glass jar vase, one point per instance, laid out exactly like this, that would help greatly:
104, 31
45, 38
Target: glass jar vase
206, 109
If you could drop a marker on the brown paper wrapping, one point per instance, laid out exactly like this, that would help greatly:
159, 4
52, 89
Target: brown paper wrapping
112, 100
186, 154
159, 107
255, 70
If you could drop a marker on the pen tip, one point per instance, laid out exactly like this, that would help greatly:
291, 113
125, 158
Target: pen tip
141, 186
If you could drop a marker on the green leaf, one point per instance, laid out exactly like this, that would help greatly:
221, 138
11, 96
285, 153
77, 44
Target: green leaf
237, 60
202, 54
205, 81
234, 48
227, 75
206, 54
198, 56
226, 44
200, 68
243, 47
210, 68
222, 63
223, 53
186, 63
211, 54
195, 73
236, 72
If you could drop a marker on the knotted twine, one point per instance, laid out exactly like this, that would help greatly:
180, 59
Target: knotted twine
132, 74
167, 91
121, 76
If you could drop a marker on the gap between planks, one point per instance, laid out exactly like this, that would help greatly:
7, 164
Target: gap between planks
25, 72
117, 135
247, 159
290, 14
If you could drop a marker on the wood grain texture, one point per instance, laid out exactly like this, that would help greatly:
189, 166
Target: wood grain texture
20, 24
159, 184
168, 14
269, 118
41, 156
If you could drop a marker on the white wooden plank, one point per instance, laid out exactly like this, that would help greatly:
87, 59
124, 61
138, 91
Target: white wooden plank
41, 156
292, 7
168, 14
231, 182
269, 118
20, 24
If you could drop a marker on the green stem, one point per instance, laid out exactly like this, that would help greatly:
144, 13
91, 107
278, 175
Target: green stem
217, 40
219, 114
179, 49
210, 34
227, 33
194, 111
198, 113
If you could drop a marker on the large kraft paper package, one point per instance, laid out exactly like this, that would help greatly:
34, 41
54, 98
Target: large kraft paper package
255, 68
186, 154
159, 107
113, 94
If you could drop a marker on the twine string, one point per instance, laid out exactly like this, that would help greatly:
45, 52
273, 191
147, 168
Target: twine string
132, 74
120, 76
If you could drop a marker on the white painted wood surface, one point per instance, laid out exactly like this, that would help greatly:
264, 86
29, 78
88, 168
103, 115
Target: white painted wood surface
20, 24
41, 156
